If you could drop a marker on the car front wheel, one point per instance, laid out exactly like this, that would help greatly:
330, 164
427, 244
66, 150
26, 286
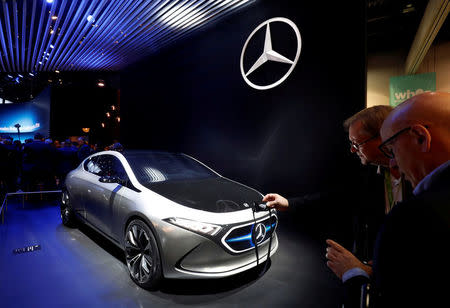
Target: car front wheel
142, 255
67, 215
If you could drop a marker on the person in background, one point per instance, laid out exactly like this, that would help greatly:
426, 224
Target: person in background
10, 164
116, 146
38, 164
84, 150
67, 161
57, 144
3, 177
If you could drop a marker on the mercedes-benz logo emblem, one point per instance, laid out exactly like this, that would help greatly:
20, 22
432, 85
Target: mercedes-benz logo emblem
269, 54
260, 231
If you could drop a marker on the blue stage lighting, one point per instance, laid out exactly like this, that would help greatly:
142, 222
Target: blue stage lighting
116, 33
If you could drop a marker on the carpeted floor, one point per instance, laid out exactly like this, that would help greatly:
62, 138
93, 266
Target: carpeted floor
80, 268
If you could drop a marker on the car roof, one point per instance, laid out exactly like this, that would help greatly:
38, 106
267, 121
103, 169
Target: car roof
130, 152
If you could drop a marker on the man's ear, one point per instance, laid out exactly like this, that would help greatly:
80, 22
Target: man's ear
422, 137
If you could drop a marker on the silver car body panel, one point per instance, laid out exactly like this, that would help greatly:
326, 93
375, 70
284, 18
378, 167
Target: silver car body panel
109, 207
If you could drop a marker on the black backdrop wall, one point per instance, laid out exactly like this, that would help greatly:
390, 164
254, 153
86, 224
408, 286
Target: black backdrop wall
192, 98
77, 101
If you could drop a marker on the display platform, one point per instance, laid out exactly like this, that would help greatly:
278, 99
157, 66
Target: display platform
45, 264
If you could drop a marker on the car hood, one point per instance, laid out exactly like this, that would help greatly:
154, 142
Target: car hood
218, 195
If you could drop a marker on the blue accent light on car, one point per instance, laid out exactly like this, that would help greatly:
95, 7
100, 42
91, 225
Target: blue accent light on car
116, 33
248, 237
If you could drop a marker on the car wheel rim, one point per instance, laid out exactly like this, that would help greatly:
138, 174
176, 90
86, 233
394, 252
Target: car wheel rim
138, 249
65, 211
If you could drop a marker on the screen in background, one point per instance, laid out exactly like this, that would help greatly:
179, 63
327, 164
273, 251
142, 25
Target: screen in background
33, 117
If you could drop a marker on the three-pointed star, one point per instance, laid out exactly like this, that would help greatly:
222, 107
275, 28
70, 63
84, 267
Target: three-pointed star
268, 54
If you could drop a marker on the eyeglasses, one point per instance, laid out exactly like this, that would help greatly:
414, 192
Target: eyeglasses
385, 147
356, 146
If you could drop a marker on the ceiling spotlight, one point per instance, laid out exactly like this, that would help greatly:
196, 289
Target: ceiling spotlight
113, 107
118, 119
108, 115
101, 83
51, 46
49, 1
90, 18
54, 17
56, 71
103, 125
408, 9
31, 74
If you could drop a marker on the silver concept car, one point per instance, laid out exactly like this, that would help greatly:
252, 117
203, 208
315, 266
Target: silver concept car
173, 216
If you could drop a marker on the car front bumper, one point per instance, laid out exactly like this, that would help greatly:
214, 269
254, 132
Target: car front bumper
188, 255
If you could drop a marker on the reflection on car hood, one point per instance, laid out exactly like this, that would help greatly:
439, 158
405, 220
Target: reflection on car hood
217, 195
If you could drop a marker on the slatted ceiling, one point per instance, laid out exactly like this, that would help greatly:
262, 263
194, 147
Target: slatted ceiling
97, 34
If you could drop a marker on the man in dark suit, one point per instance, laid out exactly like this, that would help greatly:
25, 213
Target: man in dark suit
410, 259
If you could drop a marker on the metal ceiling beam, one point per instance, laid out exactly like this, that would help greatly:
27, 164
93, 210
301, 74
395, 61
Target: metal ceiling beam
70, 35
435, 14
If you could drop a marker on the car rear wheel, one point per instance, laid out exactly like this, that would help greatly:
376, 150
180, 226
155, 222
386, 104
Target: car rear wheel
67, 215
142, 255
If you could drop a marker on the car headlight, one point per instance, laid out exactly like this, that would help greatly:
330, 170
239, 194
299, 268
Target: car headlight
196, 226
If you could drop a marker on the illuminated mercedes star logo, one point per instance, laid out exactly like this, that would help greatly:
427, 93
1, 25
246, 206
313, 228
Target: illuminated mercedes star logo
269, 54
260, 231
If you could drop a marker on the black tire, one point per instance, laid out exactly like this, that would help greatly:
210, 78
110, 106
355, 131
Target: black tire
142, 255
67, 214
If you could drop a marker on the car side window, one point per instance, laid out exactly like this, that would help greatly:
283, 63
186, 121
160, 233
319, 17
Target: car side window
92, 165
112, 166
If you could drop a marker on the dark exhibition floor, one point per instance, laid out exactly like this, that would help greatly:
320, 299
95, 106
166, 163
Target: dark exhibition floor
79, 268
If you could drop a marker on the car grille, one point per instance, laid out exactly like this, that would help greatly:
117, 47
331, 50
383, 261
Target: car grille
239, 238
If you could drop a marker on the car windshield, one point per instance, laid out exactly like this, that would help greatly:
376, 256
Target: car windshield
152, 167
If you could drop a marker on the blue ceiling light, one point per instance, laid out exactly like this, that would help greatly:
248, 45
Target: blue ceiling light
38, 35
90, 19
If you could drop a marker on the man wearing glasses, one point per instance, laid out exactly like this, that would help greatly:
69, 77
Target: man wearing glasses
364, 136
363, 131
412, 245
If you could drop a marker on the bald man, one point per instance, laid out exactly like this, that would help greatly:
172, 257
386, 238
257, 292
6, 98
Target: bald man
411, 254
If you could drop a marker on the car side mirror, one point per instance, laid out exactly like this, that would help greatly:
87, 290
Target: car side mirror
111, 179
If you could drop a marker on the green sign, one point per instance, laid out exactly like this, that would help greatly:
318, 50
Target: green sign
403, 87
